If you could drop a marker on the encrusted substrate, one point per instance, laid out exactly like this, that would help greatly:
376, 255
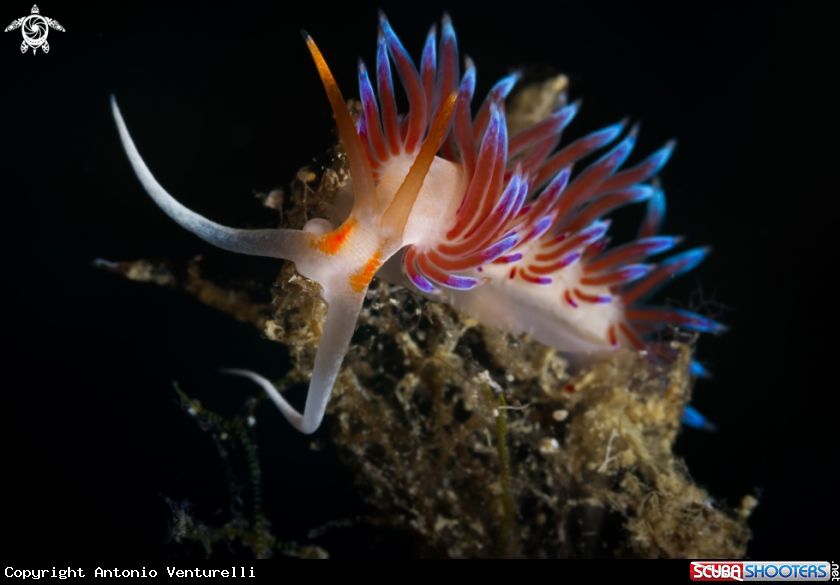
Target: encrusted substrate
477, 443
590, 462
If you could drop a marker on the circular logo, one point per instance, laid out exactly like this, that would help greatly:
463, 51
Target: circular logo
35, 30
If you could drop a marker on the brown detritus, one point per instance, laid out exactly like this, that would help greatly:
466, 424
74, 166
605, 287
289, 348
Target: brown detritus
299, 313
524, 359
535, 102
273, 199
236, 303
141, 271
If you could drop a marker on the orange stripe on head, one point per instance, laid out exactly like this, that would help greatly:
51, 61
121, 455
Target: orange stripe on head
332, 242
360, 280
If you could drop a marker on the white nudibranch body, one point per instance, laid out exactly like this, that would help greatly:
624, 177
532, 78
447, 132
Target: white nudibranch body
499, 230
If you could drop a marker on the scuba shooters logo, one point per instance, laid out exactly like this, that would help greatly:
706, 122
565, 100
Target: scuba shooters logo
760, 571
35, 29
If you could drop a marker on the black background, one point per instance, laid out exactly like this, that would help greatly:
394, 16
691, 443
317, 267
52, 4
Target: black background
224, 100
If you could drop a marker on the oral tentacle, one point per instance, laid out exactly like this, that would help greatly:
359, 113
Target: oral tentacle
286, 244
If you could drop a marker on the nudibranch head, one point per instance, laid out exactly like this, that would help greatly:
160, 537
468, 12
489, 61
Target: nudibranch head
447, 203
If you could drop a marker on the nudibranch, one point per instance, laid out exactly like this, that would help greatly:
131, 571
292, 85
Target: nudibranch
449, 205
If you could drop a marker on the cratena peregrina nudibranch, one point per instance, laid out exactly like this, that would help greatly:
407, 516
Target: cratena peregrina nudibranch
449, 205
